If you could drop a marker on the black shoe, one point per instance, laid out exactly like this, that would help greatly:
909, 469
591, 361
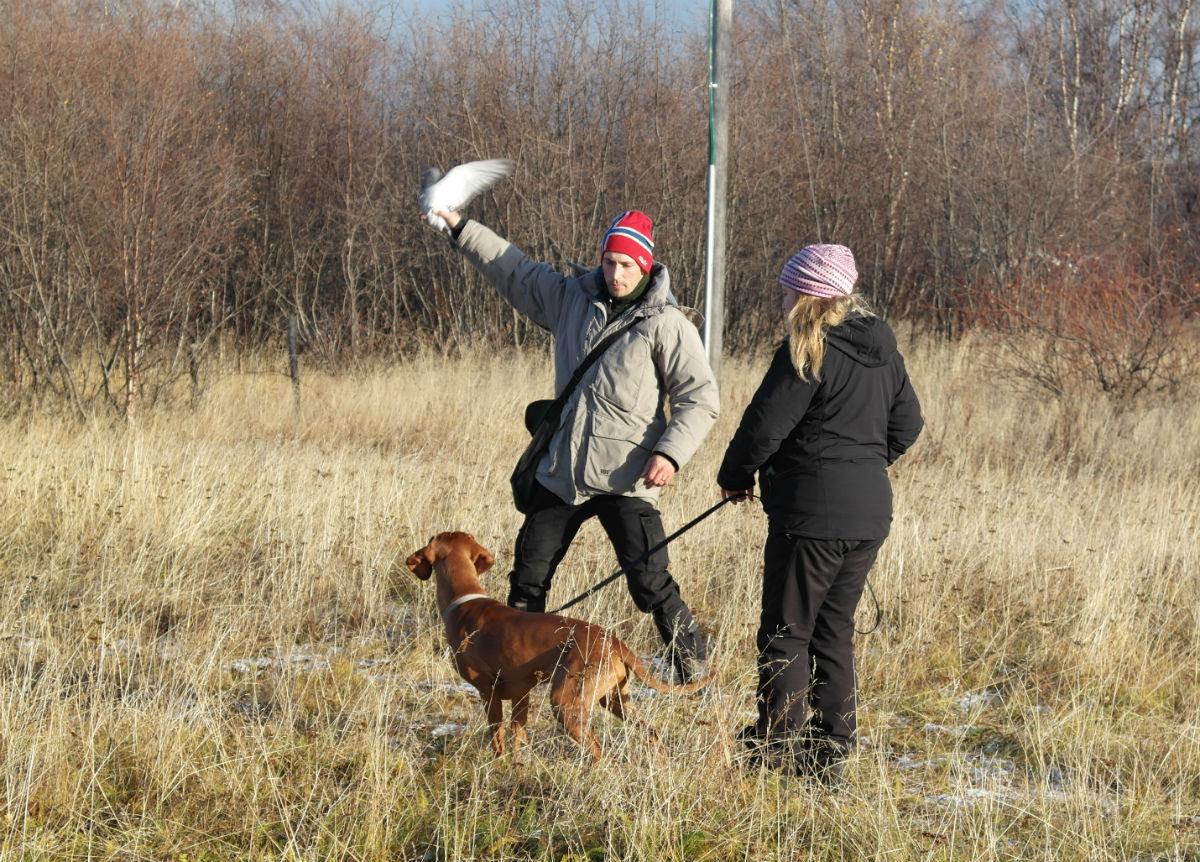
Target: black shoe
687, 648
756, 753
533, 606
687, 667
821, 760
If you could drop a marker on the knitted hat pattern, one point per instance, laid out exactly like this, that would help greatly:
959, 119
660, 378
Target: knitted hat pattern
631, 233
827, 271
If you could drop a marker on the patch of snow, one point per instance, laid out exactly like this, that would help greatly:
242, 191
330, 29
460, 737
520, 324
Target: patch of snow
303, 661
955, 729
245, 665
447, 687
448, 730
660, 667
991, 767
978, 700
970, 796
367, 663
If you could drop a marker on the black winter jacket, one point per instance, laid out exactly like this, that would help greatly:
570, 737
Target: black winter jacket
822, 448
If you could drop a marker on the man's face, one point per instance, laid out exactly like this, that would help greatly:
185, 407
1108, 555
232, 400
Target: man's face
621, 273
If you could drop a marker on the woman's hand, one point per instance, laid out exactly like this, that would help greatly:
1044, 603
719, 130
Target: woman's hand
738, 496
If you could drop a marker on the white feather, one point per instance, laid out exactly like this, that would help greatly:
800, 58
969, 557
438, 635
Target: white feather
459, 185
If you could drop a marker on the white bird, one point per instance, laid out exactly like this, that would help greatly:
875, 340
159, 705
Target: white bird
454, 190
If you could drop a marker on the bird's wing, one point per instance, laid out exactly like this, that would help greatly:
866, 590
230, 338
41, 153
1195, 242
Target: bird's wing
463, 182
429, 178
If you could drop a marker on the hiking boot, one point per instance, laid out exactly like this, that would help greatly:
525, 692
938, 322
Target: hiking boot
757, 752
687, 648
533, 606
822, 760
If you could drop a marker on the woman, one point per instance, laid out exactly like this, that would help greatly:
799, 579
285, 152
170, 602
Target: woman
834, 410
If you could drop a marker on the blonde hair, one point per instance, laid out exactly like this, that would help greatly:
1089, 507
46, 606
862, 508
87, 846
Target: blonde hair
808, 321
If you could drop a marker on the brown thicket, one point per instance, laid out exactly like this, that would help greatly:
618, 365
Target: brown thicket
178, 178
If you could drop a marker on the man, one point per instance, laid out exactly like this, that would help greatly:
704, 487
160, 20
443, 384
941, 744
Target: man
615, 447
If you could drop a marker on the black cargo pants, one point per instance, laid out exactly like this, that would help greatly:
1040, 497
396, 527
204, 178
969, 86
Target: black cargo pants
633, 526
811, 588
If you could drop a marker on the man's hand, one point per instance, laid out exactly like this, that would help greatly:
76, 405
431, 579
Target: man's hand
739, 496
658, 472
450, 217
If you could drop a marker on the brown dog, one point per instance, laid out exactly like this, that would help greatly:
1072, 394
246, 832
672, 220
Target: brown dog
504, 652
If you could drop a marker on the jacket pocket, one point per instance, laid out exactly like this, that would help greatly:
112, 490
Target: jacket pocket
613, 465
652, 530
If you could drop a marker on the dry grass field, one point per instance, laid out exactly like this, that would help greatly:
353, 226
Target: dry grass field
210, 649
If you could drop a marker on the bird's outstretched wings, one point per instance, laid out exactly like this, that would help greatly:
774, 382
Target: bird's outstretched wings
454, 190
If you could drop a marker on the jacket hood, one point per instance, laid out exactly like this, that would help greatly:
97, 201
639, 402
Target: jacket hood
867, 340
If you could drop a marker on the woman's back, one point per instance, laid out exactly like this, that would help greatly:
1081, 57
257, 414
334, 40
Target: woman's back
822, 447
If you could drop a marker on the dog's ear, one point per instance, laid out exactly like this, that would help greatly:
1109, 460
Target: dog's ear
483, 559
420, 563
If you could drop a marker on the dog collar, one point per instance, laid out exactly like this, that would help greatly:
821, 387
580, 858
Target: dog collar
461, 600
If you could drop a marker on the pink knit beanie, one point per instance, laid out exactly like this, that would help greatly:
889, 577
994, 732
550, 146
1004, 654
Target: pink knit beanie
827, 271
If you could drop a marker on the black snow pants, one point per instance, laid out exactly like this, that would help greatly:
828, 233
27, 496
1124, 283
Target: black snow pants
633, 526
811, 588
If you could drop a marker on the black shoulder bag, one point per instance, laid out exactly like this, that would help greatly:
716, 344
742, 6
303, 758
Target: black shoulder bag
542, 417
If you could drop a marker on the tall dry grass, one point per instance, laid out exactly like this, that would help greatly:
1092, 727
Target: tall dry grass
210, 649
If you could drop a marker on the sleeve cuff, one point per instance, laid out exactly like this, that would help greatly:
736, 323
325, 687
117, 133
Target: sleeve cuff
674, 463
732, 482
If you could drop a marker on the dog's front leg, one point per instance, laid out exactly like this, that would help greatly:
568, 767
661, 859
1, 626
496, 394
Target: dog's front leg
495, 717
520, 717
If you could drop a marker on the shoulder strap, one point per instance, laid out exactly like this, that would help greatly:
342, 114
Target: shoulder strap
556, 408
600, 347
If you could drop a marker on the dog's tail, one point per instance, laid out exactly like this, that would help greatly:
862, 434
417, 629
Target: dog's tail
647, 676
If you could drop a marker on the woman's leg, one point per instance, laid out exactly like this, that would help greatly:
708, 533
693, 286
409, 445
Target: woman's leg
797, 573
832, 648
780, 674
810, 590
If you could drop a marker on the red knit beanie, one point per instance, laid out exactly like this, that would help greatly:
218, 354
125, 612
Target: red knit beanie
631, 233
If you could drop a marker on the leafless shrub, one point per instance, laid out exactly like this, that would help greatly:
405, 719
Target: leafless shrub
1096, 325
176, 178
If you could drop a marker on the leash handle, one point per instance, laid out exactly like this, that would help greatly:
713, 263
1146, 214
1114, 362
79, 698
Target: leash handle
620, 571
878, 610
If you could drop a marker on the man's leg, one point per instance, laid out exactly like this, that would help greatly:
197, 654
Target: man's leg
832, 648
541, 544
634, 526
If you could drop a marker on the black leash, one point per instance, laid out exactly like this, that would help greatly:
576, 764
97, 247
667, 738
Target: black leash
878, 611
604, 583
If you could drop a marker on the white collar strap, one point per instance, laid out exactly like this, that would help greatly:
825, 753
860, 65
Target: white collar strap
462, 600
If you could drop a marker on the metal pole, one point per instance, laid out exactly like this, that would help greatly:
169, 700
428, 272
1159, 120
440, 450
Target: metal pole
720, 25
294, 359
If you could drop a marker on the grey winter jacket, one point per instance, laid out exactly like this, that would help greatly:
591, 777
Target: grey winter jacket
617, 417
